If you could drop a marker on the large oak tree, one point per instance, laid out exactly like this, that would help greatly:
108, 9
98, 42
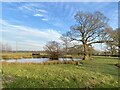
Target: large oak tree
88, 30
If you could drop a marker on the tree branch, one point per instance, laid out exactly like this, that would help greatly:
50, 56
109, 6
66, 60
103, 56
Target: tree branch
102, 41
72, 39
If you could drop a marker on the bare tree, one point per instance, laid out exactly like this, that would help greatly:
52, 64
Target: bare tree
66, 43
5, 47
53, 49
89, 27
112, 47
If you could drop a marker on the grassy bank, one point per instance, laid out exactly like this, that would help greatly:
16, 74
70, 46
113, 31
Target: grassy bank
100, 72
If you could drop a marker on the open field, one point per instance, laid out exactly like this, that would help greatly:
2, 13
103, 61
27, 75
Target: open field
100, 72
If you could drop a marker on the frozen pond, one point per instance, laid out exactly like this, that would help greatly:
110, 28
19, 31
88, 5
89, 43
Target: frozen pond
36, 60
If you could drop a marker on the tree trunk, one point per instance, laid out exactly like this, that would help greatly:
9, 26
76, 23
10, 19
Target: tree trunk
86, 55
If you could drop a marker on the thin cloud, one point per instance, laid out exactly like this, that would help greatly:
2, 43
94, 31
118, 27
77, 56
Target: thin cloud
33, 43
28, 31
39, 15
37, 36
32, 7
44, 19
41, 10
25, 7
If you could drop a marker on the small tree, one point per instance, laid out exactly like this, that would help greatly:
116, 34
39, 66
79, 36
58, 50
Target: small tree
53, 49
66, 43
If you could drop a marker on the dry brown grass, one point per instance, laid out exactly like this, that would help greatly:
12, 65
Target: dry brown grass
60, 62
16, 55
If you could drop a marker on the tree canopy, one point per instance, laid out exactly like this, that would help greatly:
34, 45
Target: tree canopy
89, 29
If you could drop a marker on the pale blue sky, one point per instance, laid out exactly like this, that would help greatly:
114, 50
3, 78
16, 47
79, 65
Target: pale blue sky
31, 25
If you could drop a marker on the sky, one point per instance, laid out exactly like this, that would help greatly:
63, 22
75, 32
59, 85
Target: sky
31, 24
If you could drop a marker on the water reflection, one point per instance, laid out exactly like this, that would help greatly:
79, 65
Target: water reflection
37, 60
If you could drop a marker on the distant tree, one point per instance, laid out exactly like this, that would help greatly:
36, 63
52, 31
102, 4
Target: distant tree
88, 29
79, 50
75, 50
5, 47
113, 35
53, 49
66, 43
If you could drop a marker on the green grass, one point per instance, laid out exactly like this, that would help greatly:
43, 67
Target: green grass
100, 72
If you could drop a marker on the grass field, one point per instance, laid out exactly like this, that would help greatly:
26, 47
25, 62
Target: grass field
99, 73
